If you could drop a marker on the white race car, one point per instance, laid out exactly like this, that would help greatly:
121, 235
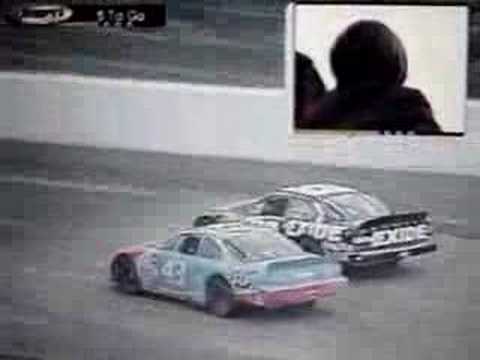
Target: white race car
355, 227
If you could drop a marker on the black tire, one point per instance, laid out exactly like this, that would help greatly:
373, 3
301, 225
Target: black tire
304, 242
308, 305
346, 269
352, 270
310, 245
220, 299
388, 266
392, 263
125, 275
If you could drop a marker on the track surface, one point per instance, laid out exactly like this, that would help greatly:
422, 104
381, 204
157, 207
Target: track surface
64, 210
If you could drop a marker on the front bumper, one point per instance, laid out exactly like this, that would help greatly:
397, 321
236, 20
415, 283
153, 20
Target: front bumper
278, 297
373, 257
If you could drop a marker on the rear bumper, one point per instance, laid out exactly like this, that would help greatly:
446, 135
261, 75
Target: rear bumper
273, 298
373, 257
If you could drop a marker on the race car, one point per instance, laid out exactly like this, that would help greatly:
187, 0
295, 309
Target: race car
223, 266
38, 14
356, 228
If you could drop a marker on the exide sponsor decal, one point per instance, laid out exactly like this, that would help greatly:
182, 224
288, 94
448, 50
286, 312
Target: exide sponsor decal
297, 228
405, 234
399, 235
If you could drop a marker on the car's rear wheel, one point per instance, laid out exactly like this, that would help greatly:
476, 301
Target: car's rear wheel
220, 299
392, 263
125, 274
307, 305
349, 269
310, 245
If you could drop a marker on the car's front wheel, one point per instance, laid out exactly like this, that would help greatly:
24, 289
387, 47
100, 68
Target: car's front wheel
220, 299
311, 245
125, 274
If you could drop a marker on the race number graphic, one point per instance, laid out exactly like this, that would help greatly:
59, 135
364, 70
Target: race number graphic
174, 272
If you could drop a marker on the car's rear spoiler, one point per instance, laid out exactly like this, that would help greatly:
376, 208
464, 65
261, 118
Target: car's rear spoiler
400, 219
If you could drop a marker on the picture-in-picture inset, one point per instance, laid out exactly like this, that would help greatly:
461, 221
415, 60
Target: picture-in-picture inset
383, 68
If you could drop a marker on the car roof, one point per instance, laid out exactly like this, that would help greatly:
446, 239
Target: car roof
224, 230
317, 190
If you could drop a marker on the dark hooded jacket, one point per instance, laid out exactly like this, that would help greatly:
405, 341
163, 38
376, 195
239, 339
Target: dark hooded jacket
370, 66
309, 87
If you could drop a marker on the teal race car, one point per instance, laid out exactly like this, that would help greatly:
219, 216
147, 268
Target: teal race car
223, 266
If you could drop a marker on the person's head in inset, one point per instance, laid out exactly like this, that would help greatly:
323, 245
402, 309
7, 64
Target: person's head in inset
368, 53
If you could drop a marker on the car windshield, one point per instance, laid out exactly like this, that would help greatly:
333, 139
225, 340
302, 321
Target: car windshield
260, 245
358, 206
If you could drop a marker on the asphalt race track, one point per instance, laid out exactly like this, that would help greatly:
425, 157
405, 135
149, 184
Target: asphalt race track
64, 210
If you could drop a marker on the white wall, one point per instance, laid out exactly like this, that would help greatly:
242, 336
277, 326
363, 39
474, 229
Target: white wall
223, 121
143, 115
